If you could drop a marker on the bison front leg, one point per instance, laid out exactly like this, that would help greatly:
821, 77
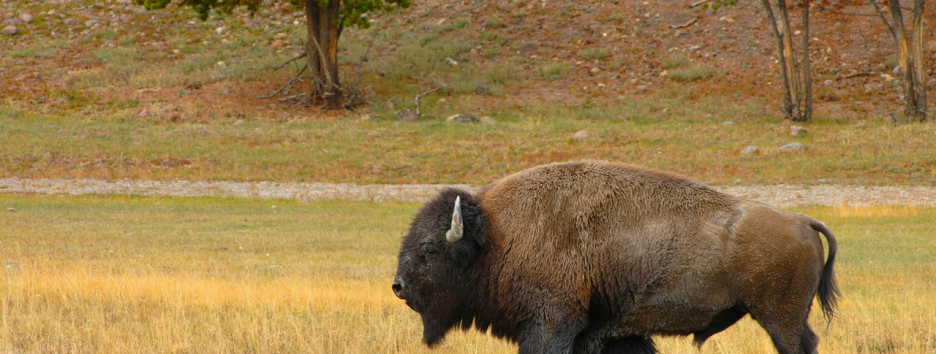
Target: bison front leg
550, 333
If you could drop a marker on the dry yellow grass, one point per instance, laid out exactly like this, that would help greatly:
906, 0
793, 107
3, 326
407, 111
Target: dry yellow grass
167, 275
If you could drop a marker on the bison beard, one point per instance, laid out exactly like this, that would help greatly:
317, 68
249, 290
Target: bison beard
596, 257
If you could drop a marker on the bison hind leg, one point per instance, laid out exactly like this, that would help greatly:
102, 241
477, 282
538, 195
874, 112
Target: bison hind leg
630, 345
719, 323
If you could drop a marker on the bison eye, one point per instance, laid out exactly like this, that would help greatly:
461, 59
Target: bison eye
429, 249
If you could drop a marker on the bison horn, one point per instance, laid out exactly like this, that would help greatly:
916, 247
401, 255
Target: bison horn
458, 228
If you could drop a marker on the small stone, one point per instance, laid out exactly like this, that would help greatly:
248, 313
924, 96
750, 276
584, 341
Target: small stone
71, 22
144, 113
451, 61
388, 105
406, 115
26, 17
12, 22
488, 120
796, 130
595, 70
579, 136
527, 48
12, 210
9, 30
222, 64
227, 91
792, 147
458, 117
695, 48
367, 117
728, 122
239, 122
641, 88
219, 30
750, 150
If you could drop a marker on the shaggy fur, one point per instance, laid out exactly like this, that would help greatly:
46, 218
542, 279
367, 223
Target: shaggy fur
596, 257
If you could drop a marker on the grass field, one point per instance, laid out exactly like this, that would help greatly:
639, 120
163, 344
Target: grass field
202, 275
687, 139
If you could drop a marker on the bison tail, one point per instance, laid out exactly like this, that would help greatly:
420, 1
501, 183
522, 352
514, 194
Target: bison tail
828, 290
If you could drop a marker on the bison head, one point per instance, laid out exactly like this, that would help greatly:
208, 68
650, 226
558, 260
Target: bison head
435, 273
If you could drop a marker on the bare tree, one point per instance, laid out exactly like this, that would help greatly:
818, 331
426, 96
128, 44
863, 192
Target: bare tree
796, 75
910, 56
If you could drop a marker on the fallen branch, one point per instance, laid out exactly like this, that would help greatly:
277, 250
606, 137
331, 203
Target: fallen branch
300, 56
697, 3
849, 76
288, 85
421, 96
687, 24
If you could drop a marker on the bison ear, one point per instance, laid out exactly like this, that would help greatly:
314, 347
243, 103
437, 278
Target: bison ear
455, 233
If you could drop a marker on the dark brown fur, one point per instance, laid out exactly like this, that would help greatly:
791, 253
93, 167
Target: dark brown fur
596, 257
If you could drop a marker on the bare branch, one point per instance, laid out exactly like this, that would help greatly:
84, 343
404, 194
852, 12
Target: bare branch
418, 114
300, 56
357, 75
849, 76
687, 24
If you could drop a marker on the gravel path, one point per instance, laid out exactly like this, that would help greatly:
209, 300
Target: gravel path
777, 195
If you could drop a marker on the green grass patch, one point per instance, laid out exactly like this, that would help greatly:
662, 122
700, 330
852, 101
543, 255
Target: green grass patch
671, 131
594, 53
553, 71
695, 72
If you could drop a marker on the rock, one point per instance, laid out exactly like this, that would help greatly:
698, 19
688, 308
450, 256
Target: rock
898, 71
239, 122
792, 147
367, 117
641, 88
488, 120
796, 130
12, 210
579, 136
527, 48
71, 22
26, 17
451, 61
750, 150
9, 30
406, 115
728, 122
12, 22
695, 48
144, 113
595, 71
458, 117
388, 105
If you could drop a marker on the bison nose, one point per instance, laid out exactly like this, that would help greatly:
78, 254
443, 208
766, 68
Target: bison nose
398, 289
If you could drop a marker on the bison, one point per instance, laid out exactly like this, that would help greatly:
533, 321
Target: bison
597, 257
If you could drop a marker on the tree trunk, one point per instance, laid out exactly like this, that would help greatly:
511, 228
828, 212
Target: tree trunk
323, 27
916, 56
796, 80
806, 69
